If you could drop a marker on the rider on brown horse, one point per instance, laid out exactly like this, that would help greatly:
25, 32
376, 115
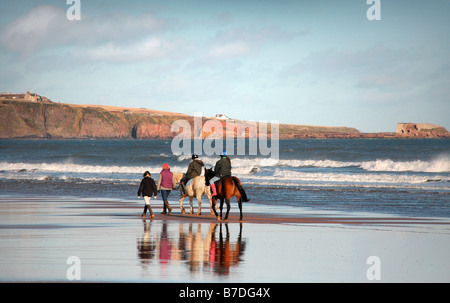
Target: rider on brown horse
221, 170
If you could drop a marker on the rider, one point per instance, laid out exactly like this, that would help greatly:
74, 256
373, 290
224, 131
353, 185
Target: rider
194, 169
222, 169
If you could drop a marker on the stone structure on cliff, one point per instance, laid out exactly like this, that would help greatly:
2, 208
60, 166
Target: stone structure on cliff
29, 97
421, 130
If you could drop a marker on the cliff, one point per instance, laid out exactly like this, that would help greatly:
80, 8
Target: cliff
22, 119
293, 131
34, 119
62, 121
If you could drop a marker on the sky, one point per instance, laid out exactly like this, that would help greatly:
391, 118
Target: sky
314, 62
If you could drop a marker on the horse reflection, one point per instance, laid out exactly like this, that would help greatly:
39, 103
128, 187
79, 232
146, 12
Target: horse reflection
200, 250
225, 253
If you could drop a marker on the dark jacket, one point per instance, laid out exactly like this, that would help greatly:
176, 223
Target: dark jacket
194, 169
223, 167
147, 187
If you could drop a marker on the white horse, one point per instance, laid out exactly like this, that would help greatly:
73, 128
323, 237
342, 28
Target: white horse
196, 189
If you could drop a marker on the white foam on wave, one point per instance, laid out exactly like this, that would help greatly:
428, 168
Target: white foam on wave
309, 185
317, 163
290, 175
247, 165
80, 168
439, 165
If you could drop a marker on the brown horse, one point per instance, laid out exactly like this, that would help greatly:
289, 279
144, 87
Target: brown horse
228, 187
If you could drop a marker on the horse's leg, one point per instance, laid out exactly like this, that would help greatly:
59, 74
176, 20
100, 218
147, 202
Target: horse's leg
214, 204
221, 207
208, 195
191, 201
183, 211
240, 208
212, 207
199, 199
228, 208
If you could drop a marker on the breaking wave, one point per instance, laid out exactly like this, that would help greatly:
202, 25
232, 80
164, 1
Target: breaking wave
240, 166
434, 166
441, 165
80, 168
386, 178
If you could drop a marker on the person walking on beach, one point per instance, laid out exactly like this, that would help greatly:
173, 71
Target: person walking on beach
166, 182
194, 170
148, 189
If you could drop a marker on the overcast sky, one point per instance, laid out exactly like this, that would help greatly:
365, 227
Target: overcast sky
317, 62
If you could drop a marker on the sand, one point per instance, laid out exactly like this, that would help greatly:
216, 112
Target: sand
64, 239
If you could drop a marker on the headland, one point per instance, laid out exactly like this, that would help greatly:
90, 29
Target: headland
33, 116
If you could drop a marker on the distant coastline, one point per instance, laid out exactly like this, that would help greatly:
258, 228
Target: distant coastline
32, 116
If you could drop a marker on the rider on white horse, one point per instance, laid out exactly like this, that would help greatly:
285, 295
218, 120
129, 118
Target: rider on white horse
194, 170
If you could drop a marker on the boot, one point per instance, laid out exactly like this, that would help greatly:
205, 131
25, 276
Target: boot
144, 213
150, 210
164, 208
167, 205
213, 190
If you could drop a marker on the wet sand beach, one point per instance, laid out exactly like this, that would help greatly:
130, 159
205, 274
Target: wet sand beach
64, 239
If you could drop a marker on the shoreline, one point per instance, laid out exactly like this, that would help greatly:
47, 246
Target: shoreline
258, 213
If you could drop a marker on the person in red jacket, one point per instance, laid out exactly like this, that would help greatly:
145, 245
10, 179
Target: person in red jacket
166, 182
148, 189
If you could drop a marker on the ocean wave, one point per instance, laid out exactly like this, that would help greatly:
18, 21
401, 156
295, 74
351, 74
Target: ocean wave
80, 168
441, 165
248, 165
364, 186
283, 176
241, 166
355, 178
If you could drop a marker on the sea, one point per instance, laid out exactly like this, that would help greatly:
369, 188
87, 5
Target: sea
399, 177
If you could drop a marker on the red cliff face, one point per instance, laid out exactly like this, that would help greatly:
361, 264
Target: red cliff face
52, 120
148, 130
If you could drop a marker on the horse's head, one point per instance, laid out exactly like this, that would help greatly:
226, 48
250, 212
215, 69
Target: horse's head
209, 174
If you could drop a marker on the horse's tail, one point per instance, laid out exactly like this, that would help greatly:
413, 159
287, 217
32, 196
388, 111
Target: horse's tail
237, 183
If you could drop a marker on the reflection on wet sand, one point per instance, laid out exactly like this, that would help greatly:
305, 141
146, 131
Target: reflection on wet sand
207, 251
